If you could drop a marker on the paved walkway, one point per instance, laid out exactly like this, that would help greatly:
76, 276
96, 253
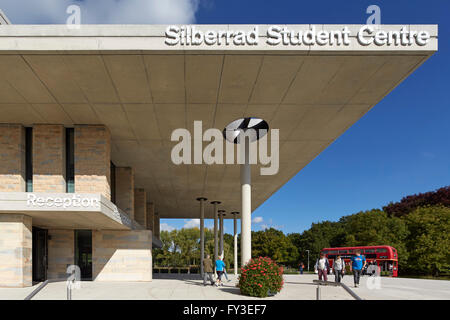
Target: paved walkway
184, 287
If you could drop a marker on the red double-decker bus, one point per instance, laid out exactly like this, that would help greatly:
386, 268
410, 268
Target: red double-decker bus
385, 257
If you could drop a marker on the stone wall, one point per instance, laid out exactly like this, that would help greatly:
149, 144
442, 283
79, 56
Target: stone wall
15, 250
61, 253
125, 190
122, 255
150, 215
92, 159
140, 207
12, 158
156, 224
49, 158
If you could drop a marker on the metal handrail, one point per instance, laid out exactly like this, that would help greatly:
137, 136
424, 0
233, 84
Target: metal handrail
35, 291
335, 284
44, 284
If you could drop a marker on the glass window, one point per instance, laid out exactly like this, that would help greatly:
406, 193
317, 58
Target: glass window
381, 250
70, 161
343, 251
29, 159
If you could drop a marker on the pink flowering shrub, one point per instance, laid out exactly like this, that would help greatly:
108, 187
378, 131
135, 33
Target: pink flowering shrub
259, 276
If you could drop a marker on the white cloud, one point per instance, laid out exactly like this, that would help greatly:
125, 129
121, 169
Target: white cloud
192, 223
257, 219
270, 224
102, 11
166, 227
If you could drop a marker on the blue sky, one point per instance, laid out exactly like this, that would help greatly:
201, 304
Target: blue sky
400, 147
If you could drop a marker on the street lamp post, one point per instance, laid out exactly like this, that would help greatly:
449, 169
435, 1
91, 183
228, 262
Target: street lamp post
308, 259
216, 247
202, 232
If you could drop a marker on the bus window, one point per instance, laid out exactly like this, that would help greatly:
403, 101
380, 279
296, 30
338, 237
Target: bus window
343, 251
381, 250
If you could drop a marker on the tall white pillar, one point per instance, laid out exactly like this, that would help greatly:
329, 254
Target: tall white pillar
202, 232
221, 215
235, 242
216, 242
246, 201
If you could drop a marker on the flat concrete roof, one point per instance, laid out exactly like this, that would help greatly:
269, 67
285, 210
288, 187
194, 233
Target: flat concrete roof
126, 78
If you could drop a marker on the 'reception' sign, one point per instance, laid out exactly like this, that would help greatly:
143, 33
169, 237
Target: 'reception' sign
284, 36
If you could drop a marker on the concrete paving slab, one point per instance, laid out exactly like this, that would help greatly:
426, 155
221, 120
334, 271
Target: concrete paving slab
190, 287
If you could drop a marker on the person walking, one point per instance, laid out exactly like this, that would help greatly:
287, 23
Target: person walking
208, 270
338, 268
220, 266
322, 266
302, 267
225, 271
358, 262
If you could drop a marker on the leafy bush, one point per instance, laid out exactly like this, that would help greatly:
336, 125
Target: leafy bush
261, 277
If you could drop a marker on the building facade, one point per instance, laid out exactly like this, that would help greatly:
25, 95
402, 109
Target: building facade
63, 202
87, 116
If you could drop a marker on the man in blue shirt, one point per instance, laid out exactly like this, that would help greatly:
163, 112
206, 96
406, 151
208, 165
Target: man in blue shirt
220, 266
358, 262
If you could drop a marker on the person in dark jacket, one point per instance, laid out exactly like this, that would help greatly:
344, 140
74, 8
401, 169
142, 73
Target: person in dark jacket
322, 266
208, 270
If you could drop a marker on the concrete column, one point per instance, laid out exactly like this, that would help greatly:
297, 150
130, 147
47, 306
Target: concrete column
202, 232
221, 215
12, 158
235, 242
15, 250
216, 244
49, 158
93, 159
125, 190
140, 207
246, 201
150, 215
156, 224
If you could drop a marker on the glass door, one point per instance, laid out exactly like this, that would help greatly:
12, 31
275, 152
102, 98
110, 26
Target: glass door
83, 253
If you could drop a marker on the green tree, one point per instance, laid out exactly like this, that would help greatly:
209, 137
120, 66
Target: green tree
429, 241
320, 235
374, 227
274, 244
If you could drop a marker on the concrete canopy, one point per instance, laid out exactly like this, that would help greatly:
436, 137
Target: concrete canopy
126, 78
